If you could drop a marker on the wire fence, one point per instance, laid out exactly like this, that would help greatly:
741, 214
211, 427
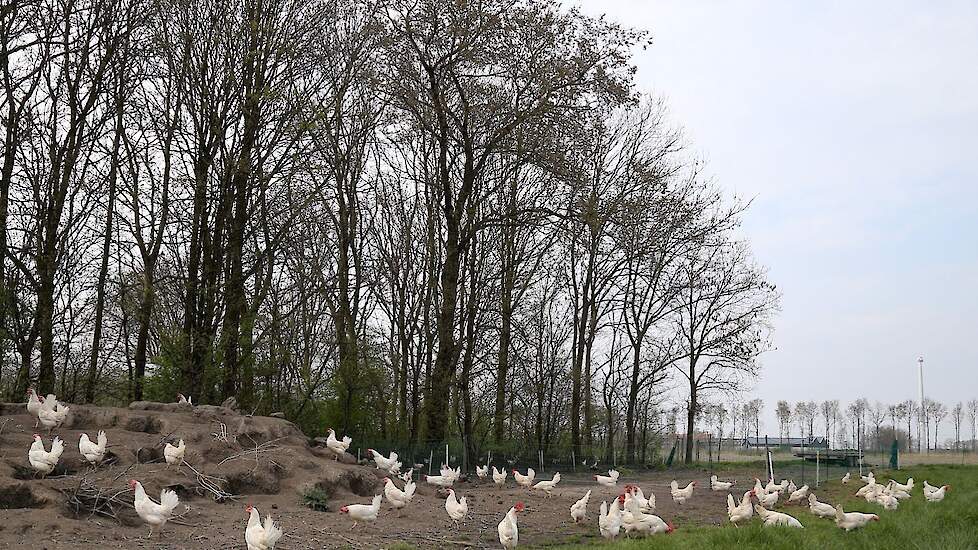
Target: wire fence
804, 464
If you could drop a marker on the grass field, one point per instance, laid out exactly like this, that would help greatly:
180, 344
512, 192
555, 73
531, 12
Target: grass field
948, 525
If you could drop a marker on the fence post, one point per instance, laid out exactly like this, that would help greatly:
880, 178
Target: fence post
711, 452
431, 458
816, 467
573, 460
804, 459
447, 463
770, 463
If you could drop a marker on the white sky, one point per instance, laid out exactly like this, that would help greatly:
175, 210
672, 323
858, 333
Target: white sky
854, 126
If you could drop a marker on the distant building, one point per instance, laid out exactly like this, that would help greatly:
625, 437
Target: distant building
784, 442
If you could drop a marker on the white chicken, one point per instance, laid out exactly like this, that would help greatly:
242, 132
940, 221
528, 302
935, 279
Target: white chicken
759, 488
905, 487
609, 522
440, 481
717, 485
524, 480
894, 490
482, 472
928, 488
547, 486
43, 462
34, 405
52, 413
870, 486
509, 533
397, 497
634, 520
846, 478
498, 477
578, 510
174, 454
452, 473
740, 513
776, 519
871, 492
798, 495
785, 486
768, 500
852, 520
791, 487
184, 400
887, 500
456, 507
388, 464
938, 494
407, 476
772, 486
609, 480
93, 452
647, 505
155, 515
259, 536
684, 494
337, 446
871, 477
363, 512
820, 509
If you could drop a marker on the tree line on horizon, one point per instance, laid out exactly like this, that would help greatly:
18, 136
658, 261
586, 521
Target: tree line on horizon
858, 425
415, 221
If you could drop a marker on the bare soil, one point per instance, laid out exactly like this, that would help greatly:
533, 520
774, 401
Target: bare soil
35, 513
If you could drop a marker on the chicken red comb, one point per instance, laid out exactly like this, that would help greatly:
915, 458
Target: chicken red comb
671, 527
37, 435
519, 506
344, 510
248, 508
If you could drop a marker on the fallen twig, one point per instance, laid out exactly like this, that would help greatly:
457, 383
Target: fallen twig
210, 484
256, 451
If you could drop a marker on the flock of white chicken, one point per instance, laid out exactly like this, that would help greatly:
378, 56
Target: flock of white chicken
51, 414
888, 496
632, 511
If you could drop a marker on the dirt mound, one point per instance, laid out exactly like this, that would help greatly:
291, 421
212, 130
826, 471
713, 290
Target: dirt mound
19, 495
229, 456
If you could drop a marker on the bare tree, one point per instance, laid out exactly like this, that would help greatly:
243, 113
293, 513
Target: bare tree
722, 323
957, 416
877, 415
783, 412
973, 414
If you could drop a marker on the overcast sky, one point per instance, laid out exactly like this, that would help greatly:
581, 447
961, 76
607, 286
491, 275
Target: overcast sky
854, 127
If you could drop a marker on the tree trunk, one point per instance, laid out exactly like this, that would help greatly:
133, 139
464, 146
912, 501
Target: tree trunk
632, 403
691, 411
106, 247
